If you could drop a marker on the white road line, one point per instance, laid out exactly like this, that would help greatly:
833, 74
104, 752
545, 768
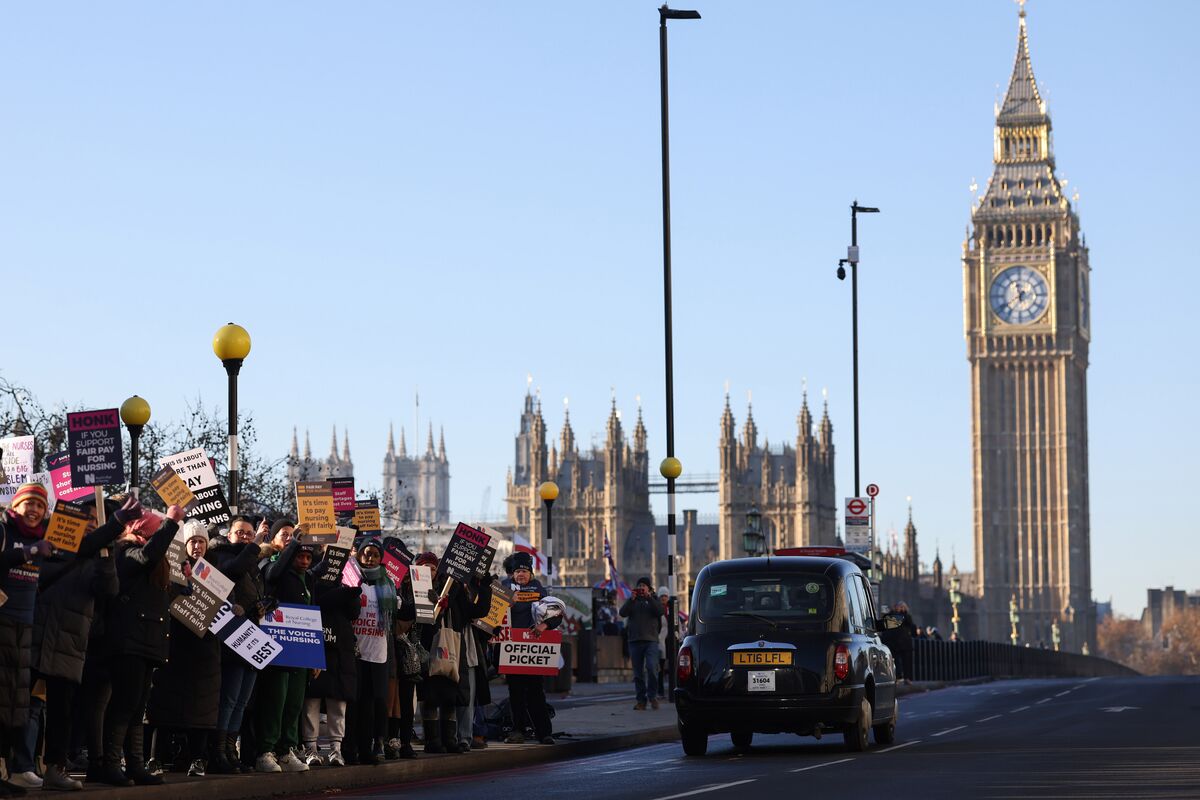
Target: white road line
1022, 708
989, 719
615, 771
1060, 694
1073, 688
898, 746
818, 766
950, 730
1089, 680
1043, 700
666, 761
718, 787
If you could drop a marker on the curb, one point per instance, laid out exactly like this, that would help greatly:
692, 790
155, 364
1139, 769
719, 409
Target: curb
930, 686
328, 780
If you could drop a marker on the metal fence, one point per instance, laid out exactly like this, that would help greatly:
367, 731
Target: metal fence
953, 661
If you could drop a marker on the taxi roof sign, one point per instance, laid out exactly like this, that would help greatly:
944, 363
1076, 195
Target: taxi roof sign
824, 552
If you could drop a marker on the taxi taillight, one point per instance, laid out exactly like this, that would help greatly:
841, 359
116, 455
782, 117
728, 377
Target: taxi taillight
841, 662
683, 672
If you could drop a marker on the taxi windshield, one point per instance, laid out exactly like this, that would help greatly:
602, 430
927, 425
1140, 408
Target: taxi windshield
795, 597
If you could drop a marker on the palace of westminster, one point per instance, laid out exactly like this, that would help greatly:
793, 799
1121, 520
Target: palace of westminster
1027, 327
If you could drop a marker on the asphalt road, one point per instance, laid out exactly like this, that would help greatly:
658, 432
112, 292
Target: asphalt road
1099, 738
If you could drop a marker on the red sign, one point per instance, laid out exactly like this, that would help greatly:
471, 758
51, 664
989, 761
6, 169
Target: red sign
856, 506
872, 490
528, 654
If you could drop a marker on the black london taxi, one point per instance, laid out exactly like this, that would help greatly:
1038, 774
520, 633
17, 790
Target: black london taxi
784, 644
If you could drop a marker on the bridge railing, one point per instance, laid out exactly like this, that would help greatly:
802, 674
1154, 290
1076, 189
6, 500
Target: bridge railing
953, 661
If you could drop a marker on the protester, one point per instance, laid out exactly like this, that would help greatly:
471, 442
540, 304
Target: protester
899, 640
137, 640
411, 661
369, 715
644, 613
337, 684
475, 662
526, 693
664, 597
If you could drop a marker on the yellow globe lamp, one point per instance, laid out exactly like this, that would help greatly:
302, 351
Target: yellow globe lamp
231, 343
670, 468
135, 412
548, 491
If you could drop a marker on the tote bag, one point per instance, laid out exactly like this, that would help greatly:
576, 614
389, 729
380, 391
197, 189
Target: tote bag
443, 654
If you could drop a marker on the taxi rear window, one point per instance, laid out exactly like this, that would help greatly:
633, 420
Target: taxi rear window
796, 597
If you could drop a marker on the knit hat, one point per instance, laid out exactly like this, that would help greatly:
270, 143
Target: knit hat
426, 560
368, 541
26, 491
519, 560
663, 590
280, 524
645, 581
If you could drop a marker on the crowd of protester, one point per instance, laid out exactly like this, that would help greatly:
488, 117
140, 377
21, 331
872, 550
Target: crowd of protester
98, 676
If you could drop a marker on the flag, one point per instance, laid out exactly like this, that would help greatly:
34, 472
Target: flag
522, 545
612, 577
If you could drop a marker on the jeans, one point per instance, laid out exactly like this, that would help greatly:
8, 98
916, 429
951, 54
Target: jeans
25, 746
237, 684
466, 714
645, 657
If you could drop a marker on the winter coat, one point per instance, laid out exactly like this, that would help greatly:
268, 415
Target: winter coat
524, 597
137, 622
286, 584
459, 612
645, 615
18, 577
187, 689
70, 584
239, 563
339, 608
899, 640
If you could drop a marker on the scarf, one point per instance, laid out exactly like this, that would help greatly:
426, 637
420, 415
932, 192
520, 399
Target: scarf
36, 532
385, 591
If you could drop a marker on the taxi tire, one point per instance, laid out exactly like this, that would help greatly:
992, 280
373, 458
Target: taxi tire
695, 743
742, 739
886, 732
858, 734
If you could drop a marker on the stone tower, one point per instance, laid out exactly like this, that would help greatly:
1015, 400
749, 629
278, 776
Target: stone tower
793, 487
1025, 286
416, 489
303, 467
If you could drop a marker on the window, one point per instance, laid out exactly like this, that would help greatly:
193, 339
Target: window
854, 604
869, 609
790, 597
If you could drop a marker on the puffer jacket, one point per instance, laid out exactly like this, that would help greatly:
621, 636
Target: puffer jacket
339, 608
187, 689
70, 584
239, 563
137, 622
286, 584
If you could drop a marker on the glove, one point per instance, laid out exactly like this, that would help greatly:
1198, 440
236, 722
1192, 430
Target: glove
238, 611
175, 513
130, 511
443, 602
433, 596
186, 569
39, 549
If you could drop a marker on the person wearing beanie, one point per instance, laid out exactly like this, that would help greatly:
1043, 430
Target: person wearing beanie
527, 694
369, 713
645, 615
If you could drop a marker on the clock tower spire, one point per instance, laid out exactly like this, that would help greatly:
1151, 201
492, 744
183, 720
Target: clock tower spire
1026, 314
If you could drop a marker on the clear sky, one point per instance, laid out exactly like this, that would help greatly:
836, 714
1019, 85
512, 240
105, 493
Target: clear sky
451, 196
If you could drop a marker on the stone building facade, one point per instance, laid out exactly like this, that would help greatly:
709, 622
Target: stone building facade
416, 489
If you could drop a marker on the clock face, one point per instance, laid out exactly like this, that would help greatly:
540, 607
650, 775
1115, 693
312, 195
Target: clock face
1019, 295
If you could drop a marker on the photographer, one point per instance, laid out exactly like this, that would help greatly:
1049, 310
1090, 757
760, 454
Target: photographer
645, 614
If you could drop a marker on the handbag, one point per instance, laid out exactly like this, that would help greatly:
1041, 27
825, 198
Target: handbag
415, 658
444, 652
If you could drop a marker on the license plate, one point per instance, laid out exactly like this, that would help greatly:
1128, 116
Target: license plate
760, 681
762, 658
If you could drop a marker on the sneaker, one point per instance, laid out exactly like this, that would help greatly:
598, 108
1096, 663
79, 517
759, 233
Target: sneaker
639, 707
26, 780
290, 762
312, 757
196, 769
79, 763
478, 743
515, 738
392, 749
406, 751
58, 779
267, 763
654, 704
335, 758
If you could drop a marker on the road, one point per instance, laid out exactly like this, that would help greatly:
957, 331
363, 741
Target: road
1100, 738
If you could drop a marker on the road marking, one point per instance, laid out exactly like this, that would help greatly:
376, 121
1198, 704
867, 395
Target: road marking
818, 766
1089, 680
1022, 708
1119, 709
898, 746
615, 771
1073, 688
1043, 700
989, 719
718, 787
950, 730
666, 761
1060, 694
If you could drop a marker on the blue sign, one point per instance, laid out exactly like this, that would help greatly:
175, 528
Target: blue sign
299, 630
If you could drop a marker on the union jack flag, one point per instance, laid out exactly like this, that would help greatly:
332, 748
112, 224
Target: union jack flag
612, 577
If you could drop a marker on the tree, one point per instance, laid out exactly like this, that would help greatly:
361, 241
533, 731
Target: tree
1125, 641
1180, 651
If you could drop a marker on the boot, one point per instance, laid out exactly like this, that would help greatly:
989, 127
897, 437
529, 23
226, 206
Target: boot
230, 743
433, 739
218, 758
450, 737
135, 766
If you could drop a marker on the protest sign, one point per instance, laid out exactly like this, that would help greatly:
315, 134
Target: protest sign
298, 630
422, 583
244, 637
94, 445
525, 654
396, 559
342, 490
351, 575
172, 489
59, 465
336, 555
16, 464
368, 628
67, 525
197, 472
314, 511
497, 615
209, 589
176, 551
465, 551
366, 517
44, 479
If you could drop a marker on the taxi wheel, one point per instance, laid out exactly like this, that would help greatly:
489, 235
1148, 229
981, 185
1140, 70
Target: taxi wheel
742, 739
857, 735
886, 733
695, 743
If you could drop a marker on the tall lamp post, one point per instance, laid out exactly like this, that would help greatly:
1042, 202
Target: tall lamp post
231, 344
753, 541
671, 468
852, 259
955, 601
549, 492
135, 413
1013, 618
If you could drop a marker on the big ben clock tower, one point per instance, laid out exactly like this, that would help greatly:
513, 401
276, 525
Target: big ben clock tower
1025, 296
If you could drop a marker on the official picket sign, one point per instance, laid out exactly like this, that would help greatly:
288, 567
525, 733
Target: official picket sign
368, 628
94, 444
298, 630
245, 638
465, 551
422, 582
59, 466
314, 511
524, 654
67, 525
196, 470
497, 616
342, 490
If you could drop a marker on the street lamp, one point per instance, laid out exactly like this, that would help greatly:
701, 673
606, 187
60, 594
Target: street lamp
670, 468
135, 413
1013, 618
852, 259
231, 344
955, 600
753, 541
548, 492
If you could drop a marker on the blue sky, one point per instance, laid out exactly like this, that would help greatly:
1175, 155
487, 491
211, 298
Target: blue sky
451, 196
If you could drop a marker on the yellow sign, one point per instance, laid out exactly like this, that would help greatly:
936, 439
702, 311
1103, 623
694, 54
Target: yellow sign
171, 488
367, 519
314, 511
498, 613
761, 658
66, 526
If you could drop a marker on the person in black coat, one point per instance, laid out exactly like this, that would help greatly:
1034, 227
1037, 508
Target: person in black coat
137, 633
337, 684
527, 693
408, 673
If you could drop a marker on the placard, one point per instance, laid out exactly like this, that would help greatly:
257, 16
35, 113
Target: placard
94, 445
197, 610
197, 472
465, 551
16, 464
176, 552
336, 555
67, 526
298, 629
368, 628
172, 489
396, 559
366, 517
497, 615
343, 495
245, 638
525, 654
314, 511
59, 466
422, 583
352, 574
